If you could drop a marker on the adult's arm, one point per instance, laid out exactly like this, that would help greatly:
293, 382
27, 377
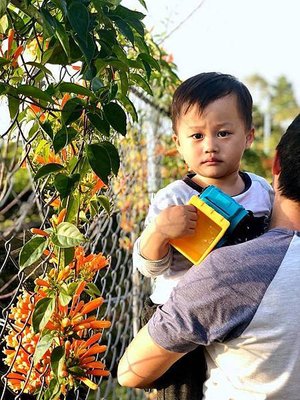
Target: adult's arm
144, 361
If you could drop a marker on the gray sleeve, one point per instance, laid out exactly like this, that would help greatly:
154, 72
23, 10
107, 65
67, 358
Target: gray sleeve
150, 268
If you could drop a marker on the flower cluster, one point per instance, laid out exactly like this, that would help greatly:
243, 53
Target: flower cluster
49, 329
21, 344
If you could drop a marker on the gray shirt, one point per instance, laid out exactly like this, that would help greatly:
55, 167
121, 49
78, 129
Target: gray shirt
243, 304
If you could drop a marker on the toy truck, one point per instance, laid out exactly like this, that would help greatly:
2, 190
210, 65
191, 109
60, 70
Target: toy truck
218, 217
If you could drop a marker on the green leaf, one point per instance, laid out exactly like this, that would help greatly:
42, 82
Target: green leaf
143, 3
34, 92
87, 47
67, 256
147, 69
47, 128
63, 137
62, 5
137, 25
57, 29
116, 116
3, 61
150, 60
117, 64
73, 208
142, 45
104, 159
13, 106
113, 156
67, 235
3, 7
47, 170
129, 106
33, 129
104, 201
99, 123
94, 207
41, 67
125, 29
128, 14
113, 90
120, 53
42, 313
32, 251
53, 391
57, 361
99, 161
79, 18
74, 88
44, 343
66, 184
71, 288
72, 111
64, 297
77, 371
124, 82
93, 290
140, 81
3, 88
96, 84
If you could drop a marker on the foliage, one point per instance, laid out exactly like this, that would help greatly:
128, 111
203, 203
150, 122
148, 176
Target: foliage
278, 102
67, 69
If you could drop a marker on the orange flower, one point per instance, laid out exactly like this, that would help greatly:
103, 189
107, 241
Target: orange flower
98, 185
81, 354
11, 35
56, 220
70, 322
21, 343
55, 203
65, 98
16, 55
39, 232
52, 158
87, 266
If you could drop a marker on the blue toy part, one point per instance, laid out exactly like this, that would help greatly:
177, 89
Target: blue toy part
224, 205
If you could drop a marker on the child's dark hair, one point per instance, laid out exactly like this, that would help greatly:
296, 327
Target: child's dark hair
204, 88
288, 150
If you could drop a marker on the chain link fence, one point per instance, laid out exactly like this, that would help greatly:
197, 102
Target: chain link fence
124, 290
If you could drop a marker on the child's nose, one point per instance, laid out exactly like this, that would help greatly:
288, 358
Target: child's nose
210, 145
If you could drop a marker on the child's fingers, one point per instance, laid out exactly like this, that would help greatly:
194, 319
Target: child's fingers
192, 212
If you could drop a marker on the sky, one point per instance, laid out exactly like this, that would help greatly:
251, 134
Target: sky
240, 37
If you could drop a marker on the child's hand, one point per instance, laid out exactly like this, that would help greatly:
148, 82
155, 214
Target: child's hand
177, 221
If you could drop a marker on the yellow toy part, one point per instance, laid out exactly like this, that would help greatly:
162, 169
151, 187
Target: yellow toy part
211, 226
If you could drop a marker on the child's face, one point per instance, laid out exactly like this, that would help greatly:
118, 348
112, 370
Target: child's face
212, 142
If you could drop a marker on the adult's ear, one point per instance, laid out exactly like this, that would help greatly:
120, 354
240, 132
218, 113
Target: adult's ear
276, 168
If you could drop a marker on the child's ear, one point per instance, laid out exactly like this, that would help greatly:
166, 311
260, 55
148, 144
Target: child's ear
249, 138
176, 140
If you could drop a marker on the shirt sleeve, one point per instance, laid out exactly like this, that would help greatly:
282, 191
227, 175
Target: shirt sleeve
150, 268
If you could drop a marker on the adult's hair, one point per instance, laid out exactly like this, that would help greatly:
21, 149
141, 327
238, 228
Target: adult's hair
288, 150
204, 88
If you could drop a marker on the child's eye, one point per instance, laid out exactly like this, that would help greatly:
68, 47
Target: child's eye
223, 134
197, 136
